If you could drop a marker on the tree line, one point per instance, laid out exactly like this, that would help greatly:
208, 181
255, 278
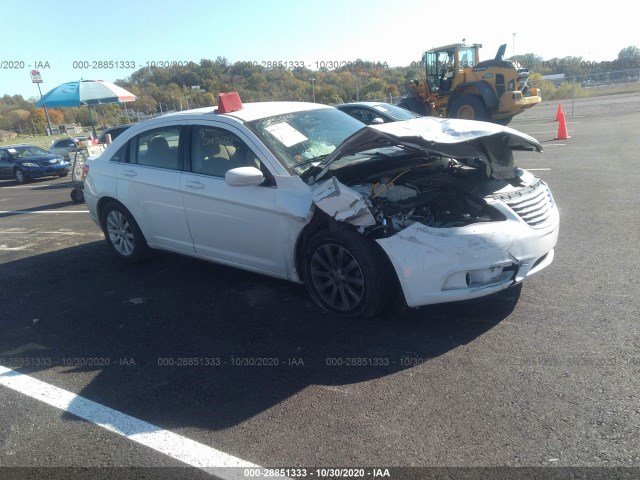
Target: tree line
162, 89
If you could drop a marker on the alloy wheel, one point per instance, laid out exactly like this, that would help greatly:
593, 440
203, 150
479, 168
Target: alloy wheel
120, 233
337, 277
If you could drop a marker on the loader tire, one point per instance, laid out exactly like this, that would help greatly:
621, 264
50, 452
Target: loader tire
468, 107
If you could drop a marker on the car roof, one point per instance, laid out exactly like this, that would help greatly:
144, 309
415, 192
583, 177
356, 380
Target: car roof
119, 127
362, 104
4, 147
253, 111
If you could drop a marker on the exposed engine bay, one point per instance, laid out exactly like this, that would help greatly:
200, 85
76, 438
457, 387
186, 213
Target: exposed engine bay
438, 192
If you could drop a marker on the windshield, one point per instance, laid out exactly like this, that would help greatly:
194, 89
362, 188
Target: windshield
302, 139
27, 151
396, 112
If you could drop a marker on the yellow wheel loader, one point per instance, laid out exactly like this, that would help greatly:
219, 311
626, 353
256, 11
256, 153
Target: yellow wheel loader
458, 85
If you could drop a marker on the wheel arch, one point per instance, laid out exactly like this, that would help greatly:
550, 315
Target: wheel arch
321, 221
103, 202
139, 247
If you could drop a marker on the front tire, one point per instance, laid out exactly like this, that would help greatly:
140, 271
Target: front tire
124, 237
468, 107
344, 274
19, 176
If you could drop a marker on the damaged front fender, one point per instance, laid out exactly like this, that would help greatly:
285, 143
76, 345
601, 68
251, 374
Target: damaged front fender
342, 203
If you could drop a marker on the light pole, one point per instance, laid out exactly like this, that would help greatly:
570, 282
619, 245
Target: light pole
513, 45
313, 88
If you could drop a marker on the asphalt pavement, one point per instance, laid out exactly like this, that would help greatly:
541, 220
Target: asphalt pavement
247, 366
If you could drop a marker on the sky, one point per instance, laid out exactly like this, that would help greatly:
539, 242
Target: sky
57, 37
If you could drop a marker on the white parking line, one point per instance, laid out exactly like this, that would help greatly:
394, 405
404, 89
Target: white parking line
175, 446
38, 232
23, 212
29, 186
546, 124
537, 169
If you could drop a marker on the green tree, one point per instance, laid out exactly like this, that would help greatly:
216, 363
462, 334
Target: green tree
20, 120
631, 56
375, 89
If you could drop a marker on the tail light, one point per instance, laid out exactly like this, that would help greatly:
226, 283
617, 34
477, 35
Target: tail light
85, 170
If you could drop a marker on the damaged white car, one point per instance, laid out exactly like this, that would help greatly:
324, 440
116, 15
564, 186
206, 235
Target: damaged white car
426, 210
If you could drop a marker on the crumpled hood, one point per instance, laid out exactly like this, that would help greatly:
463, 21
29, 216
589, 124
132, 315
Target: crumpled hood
491, 143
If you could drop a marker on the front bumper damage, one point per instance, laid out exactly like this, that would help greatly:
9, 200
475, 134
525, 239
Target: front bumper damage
437, 265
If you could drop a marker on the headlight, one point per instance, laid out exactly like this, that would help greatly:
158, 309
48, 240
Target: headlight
29, 164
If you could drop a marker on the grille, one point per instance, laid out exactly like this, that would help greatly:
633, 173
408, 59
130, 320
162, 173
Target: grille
533, 205
47, 163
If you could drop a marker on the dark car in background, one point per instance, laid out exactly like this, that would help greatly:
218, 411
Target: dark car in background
24, 162
373, 113
114, 132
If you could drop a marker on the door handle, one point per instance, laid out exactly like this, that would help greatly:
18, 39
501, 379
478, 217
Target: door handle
129, 173
196, 185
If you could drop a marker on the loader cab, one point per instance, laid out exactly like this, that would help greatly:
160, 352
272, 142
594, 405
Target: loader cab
446, 64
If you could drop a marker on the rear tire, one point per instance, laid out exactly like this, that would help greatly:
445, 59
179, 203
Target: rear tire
124, 237
468, 107
77, 195
344, 274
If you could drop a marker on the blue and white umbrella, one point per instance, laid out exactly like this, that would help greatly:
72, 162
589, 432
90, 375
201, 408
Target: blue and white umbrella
85, 92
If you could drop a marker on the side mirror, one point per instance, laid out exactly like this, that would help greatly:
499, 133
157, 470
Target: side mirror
377, 121
244, 177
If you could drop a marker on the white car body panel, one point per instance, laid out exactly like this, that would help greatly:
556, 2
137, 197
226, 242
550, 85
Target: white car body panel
154, 198
451, 137
431, 263
225, 222
342, 204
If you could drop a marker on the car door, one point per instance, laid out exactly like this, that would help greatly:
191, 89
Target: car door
63, 148
243, 226
148, 184
6, 166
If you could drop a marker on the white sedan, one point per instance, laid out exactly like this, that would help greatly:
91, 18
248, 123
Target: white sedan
427, 210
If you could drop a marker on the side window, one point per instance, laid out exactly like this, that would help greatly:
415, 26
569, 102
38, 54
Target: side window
214, 151
354, 112
159, 147
467, 57
121, 155
365, 115
4, 155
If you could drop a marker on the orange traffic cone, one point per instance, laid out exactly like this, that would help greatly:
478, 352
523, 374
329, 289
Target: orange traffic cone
562, 129
560, 112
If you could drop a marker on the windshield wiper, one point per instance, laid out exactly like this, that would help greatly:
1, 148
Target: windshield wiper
311, 160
